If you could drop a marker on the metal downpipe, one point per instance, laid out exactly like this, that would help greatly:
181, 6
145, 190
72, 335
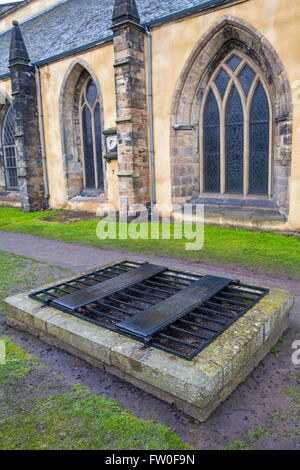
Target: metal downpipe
42, 136
151, 114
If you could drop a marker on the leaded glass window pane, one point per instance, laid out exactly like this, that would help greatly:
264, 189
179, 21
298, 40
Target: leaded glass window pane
92, 136
10, 151
11, 177
91, 92
246, 78
97, 119
259, 142
221, 82
234, 62
234, 143
88, 148
211, 140
9, 128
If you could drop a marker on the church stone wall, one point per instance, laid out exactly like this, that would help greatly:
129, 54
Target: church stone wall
172, 45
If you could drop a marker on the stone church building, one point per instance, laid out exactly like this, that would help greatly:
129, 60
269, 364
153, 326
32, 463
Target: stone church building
148, 101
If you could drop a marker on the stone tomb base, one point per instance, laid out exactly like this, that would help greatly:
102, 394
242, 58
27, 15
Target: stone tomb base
198, 386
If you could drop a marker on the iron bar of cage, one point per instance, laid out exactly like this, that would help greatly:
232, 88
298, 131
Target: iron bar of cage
256, 293
185, 274
73, 281
254, 288
203, 317
51, 295
140, 285
215, 312
180, 283
111, 271
161, 285
186, 332
135, 299
209, 302
62, 290
127, 303
91, 320
199, 325
177, 353
236, 296
78, 281
102, 314
240, 295
71, 285
190, 323
117, 309
231, 302
234, 289
145, 293
177, 340
97, 275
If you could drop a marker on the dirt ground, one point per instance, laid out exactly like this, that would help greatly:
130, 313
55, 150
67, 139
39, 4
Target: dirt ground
69, 217
262, 413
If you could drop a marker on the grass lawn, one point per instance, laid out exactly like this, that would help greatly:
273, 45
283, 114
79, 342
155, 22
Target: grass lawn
40, 410
265, 252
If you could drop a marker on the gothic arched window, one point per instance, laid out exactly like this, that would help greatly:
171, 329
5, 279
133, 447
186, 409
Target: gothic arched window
236, 130
91, 136
9, 150
211, 131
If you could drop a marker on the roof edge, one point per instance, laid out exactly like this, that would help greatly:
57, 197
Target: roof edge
17, 5
98, 43
205, 6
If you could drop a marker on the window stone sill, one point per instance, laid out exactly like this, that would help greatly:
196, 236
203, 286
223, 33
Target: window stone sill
89, 196
241, 210
249, 203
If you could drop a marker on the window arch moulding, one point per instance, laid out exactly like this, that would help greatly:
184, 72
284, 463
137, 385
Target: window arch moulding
225, 37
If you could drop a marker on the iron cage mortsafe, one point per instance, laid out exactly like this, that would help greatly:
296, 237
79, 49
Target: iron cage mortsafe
176, 311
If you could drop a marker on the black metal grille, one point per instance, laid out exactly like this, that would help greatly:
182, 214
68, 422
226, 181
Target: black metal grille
187, 335
259, 142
